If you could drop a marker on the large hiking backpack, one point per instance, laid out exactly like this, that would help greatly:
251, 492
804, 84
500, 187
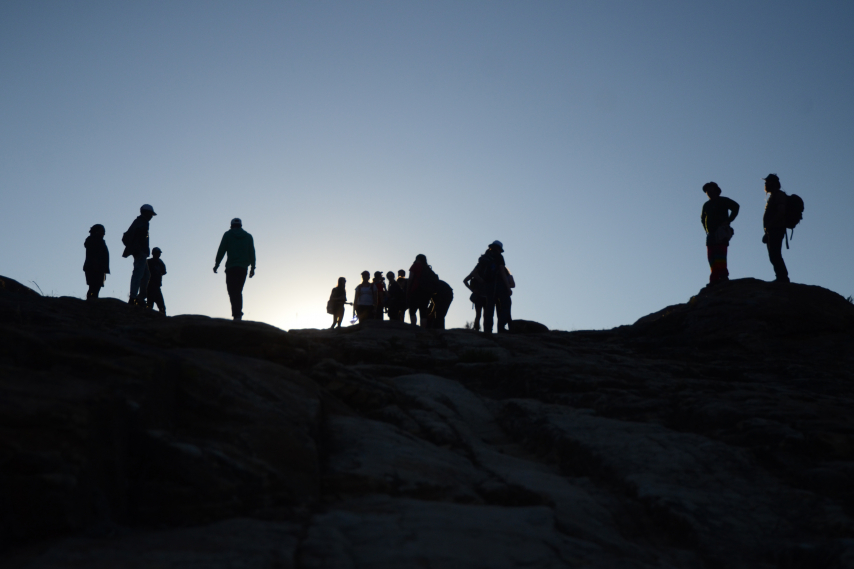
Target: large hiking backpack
429, 280
487, 269
794, 211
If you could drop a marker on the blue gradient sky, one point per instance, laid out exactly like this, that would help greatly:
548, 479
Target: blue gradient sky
352, 136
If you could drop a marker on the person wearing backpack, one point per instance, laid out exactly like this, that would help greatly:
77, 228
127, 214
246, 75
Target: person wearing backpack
365, 299
422, 284
718, 212
774, 222
97, 264
135, 240
477, 297
492, 278
439, 305
240, 248
337, 300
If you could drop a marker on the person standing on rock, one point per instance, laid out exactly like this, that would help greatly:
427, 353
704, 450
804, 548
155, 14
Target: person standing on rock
718, 212
240, 248
135, 240
477, 297
774, 222
157, 268
422, 284
337, 300
365, 300
97, 264
395, 298
379, 282
491, 276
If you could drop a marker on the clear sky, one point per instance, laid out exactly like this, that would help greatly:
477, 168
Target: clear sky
355, 135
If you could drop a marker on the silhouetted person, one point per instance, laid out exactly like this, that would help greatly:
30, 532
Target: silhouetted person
477, 297
403, 282
365, 301
135, 240
718, 212
337, 300
503, 302
396, 298
420, 287
774, 222
157, 268
491, 274
379, 282
97, 263
240, 248
440, 303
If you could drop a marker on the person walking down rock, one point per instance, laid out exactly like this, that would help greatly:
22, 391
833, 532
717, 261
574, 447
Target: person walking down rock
491, 274
440, 303
239, 246
157, 268
365, 300
135, 240
423, 284
337, 300
97, 263
774, 222
717, 215
379, 282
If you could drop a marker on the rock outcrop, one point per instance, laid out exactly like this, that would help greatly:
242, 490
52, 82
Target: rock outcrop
716, 433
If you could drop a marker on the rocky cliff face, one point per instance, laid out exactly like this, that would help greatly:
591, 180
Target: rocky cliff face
717, 433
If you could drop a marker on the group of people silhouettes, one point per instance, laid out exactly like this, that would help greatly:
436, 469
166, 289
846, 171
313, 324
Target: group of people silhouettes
147, 277
782, 212
422, 293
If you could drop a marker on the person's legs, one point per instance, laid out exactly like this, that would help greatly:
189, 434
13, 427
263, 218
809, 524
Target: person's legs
488, 313
157, 299
150, 296
139, 278
775, 253
95, 282
478, 310
717, 263
365, 312
424, 310
442, 308
143, 283
378, 313
235, 278
413, 319
504, 304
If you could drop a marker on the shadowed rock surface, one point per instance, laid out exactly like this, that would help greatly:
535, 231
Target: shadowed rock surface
716, 433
